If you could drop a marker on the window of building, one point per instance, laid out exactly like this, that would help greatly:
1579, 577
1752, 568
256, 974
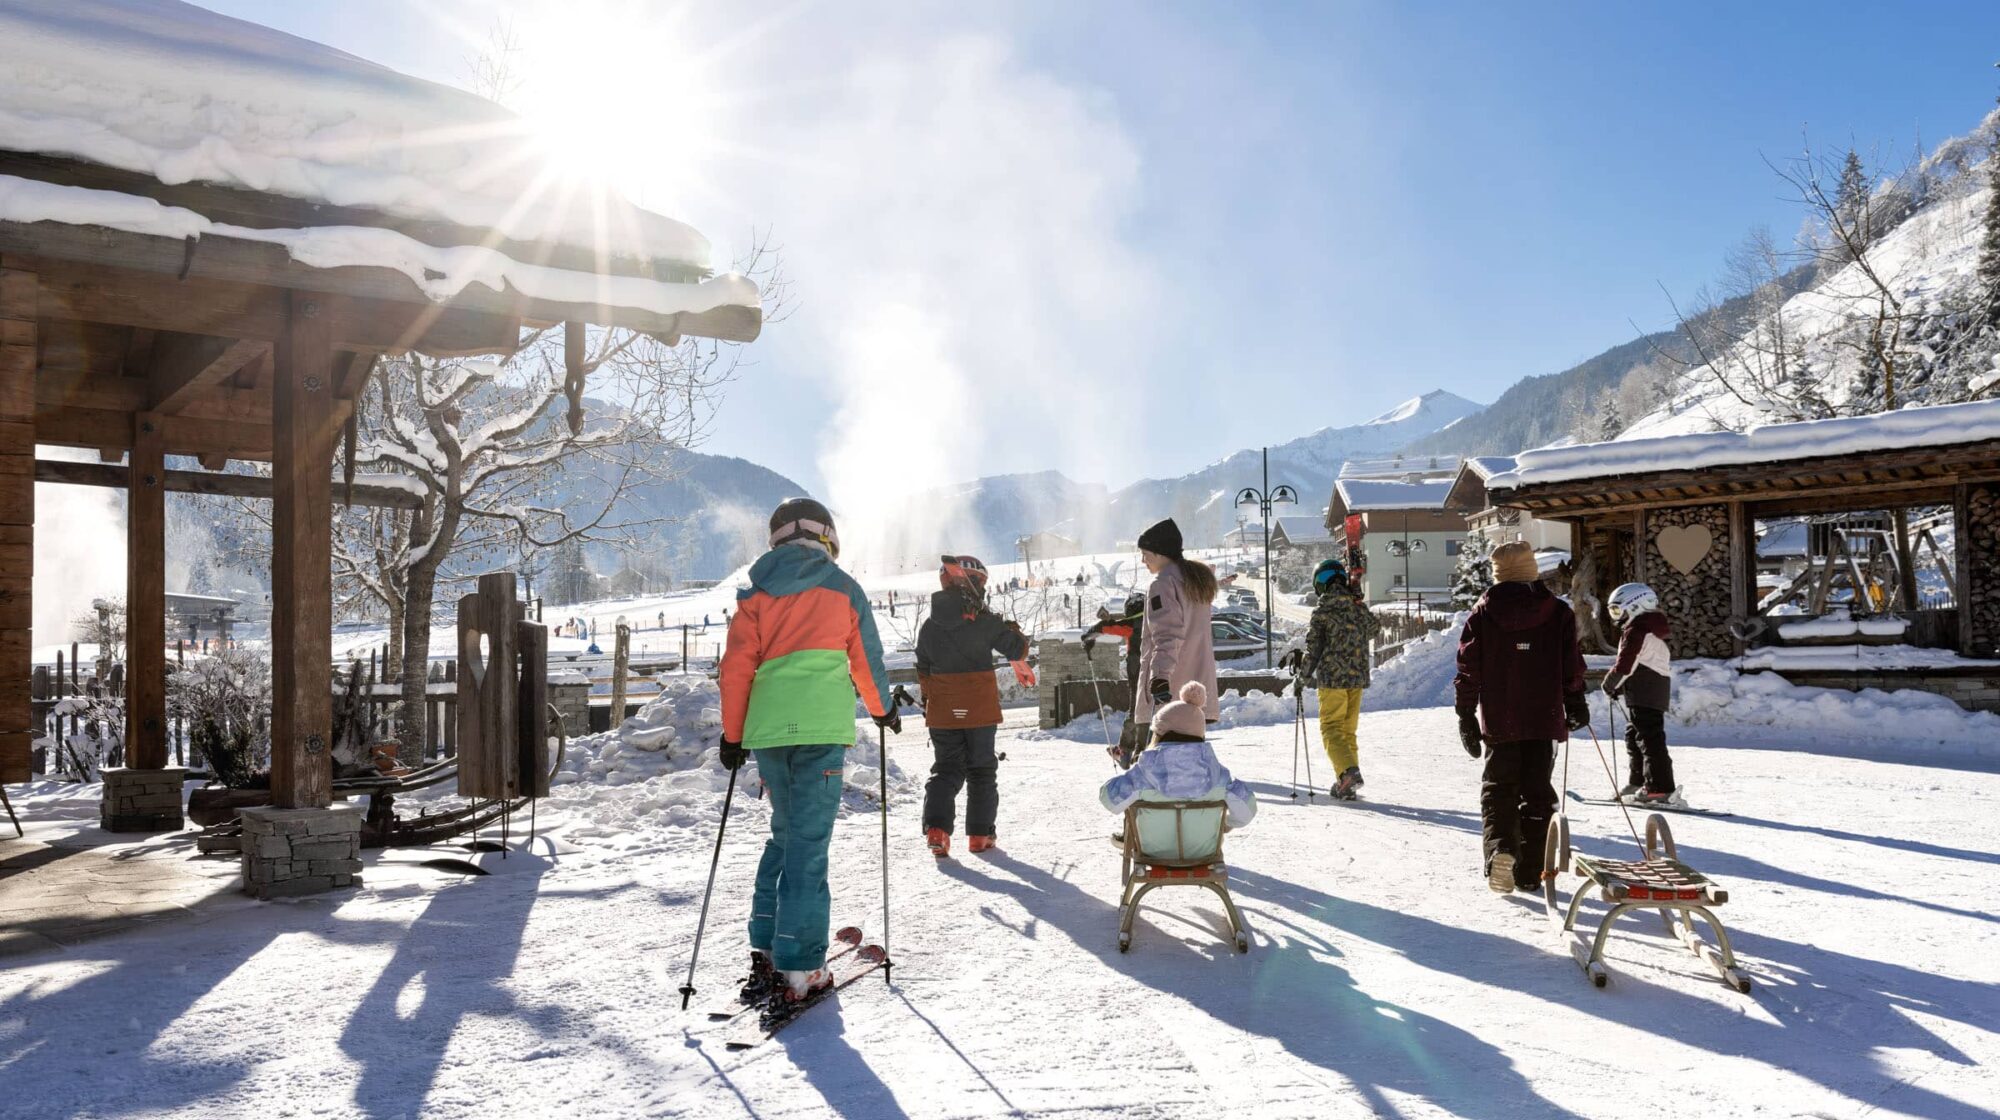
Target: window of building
1453, 548
1397, 580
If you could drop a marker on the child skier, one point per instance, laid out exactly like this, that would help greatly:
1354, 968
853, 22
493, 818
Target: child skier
1336, 663
801, 645
1180, 765
955, 648
1643, 677
1520, 689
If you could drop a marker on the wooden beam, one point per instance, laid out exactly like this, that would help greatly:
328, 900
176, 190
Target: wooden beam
270, 266
101, 291
305, 424
188, 366
146, 597
68, 388
1741, 568
19, 334
110, 429
70, 473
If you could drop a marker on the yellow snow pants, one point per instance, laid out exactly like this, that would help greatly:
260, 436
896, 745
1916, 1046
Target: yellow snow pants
1339, 717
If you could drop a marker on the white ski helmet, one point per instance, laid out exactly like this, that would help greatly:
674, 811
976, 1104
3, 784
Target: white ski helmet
1631, 599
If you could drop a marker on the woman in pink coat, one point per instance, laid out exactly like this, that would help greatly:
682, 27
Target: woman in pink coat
1176, 645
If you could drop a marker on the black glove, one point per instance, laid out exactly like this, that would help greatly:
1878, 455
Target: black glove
892, 721
733, 755
1290, 662
1468, 731
1160, 692
1576, 711
1089, 644
1614, 686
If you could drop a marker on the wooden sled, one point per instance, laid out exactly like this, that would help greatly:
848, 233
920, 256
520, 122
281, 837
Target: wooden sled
1660, 881
1175, 843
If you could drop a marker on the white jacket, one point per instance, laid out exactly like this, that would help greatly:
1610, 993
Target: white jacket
1180, 772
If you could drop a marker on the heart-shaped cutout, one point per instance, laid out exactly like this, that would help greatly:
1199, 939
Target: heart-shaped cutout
1747, 629
1684, 546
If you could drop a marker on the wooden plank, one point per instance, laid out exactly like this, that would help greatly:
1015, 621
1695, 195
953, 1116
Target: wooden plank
103, 428
1961, 528
78, 388
1640, 540
19, 336
1741, 567
270, 267
207, 482
488, 690
188, 366
15, 756
155, 298
146, 597
532, 643
304, 428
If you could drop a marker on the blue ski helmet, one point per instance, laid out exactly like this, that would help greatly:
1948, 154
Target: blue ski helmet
1329, 570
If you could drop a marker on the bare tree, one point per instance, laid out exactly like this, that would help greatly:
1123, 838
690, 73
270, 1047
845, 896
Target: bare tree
1743, 341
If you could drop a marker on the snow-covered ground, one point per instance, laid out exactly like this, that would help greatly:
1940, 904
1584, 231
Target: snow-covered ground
1384, 980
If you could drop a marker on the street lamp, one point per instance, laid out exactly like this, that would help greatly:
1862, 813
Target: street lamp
1264, 499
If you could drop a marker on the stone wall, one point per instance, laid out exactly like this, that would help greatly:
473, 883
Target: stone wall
1061, 661
300, 851
1697, 601
569, 694
142, 800
1979, 550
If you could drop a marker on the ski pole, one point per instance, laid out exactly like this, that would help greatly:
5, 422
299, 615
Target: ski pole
1298, 738
1305, 747
701, 925
882, 760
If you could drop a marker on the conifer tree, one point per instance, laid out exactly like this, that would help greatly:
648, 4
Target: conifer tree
1473, 573
1850, 200
1989, 245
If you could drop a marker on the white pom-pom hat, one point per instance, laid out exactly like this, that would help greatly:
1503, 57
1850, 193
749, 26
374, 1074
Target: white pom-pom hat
1184, 715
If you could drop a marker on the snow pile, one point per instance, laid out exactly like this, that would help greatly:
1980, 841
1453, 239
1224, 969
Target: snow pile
662, 769
1715, 694
1839, 623
1854, 658
1420, 676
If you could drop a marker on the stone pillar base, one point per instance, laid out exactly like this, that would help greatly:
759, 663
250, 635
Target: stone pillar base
142, 800
290, 852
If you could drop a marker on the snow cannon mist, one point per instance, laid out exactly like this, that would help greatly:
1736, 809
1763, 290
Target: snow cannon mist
79, 554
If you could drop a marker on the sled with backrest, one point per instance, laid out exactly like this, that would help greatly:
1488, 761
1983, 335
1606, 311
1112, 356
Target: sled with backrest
1175, 843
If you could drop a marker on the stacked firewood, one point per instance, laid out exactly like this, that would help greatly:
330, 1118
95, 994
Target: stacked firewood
1697, 604
1980, 553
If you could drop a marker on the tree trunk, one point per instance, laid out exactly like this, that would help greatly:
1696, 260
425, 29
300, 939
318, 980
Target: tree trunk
392, 659
416, 631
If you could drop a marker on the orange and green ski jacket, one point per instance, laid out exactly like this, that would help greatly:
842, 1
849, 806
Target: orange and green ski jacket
801, 646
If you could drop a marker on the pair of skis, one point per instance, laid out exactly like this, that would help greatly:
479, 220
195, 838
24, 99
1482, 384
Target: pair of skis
849, 961
1648, 806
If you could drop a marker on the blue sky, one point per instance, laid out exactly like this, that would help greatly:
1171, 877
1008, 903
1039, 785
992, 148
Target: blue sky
1124, 239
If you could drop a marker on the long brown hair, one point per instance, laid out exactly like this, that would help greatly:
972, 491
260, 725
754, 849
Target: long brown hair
1199, 576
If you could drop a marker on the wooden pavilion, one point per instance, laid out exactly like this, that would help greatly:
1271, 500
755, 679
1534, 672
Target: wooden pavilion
1681, 512
145, 313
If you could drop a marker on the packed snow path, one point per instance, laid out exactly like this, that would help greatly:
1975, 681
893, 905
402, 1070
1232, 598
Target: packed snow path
1385, 979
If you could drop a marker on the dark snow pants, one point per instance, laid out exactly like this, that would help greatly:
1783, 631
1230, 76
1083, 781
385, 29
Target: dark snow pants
963, 758
1647, 764
1516, 800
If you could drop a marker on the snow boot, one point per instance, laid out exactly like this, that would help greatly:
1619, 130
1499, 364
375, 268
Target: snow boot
1631, 790
939, 841
799, 983
1348, 788
1500, 872
762, 981
980, 843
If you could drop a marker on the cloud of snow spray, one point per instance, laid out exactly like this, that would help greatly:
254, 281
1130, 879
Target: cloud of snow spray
79, 550
959, 220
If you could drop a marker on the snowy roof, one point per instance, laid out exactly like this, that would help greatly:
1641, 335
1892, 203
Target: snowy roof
1300, 529
1400, 466
173, 94
1486, 466
1362, 494
1888, 431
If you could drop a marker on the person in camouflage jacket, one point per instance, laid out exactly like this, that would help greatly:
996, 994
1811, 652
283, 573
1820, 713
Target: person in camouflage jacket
1336, 662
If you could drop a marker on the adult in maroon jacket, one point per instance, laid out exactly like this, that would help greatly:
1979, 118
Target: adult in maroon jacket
1520, 690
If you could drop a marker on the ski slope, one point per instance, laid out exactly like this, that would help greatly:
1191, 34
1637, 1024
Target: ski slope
1385, 979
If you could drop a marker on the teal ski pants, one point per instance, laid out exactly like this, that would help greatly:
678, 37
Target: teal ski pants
791, 906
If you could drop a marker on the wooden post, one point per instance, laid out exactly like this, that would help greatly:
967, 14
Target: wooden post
304, 429
621, 660
19, 292
489, 714
146, 597
532, 643
1961, 591
1742, 569
1906, 567
1639, 530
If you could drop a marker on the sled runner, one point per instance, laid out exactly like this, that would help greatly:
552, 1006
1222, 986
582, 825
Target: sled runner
1660, 881
1175, 843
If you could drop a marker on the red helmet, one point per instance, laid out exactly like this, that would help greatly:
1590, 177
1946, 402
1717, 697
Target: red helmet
963, 571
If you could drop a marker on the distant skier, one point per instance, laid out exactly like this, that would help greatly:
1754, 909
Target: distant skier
1643, 676
955, 648
801, 645
1178, 646
1130, 625
1336, 664
1520, 690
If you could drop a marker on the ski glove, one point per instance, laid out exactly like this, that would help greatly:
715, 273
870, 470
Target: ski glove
892, 722
1576, 711
1614, 686
733, 755
1160, 692
1468, 731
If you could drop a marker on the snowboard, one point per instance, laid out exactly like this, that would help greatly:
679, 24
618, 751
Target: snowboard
778, 1014
1691, 809
847, 940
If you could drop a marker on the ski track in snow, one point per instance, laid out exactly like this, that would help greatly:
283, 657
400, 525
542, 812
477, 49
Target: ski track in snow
1384, 980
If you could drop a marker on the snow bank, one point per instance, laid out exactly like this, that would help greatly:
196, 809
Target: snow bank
661, 769
1839, 623
1712, 693
1420, 676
